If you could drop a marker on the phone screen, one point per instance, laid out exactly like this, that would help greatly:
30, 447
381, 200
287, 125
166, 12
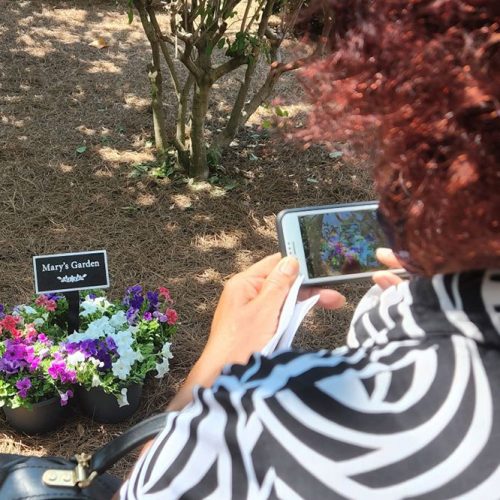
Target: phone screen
341, 242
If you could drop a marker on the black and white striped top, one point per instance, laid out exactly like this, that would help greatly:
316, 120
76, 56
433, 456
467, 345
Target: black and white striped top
410, 409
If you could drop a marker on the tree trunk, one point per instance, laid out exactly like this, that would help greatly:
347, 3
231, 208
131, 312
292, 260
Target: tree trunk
156, 81
199, 166
157, 108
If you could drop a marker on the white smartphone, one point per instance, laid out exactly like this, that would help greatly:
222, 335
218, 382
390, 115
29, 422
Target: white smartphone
333, 243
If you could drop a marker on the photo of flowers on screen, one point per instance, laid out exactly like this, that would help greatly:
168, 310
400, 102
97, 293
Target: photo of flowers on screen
339, 243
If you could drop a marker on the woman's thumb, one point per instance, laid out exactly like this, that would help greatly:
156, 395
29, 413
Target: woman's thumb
278, 283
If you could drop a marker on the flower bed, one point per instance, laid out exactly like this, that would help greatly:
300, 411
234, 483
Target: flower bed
120, 343
117, 345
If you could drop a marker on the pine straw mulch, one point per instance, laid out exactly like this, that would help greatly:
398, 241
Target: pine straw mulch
58, 92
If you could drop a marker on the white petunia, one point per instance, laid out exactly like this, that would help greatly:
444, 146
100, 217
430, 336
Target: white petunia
88, 307
121, 369
162, 368
91, 306
122, 398
165, 350
118, 320
38, 322
29, 310
96, 381
75, 358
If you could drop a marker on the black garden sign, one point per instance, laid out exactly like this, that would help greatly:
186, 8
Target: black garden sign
69, 273
66, 272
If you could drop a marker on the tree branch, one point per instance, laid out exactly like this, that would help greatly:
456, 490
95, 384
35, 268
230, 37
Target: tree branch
166, 54
227, 67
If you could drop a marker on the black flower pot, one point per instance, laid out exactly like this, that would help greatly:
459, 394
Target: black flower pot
104, 408
43, 417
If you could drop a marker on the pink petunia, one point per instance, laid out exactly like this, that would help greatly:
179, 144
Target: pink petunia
165, 293
172, 316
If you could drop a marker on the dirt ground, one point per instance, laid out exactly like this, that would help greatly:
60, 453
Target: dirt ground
59, 92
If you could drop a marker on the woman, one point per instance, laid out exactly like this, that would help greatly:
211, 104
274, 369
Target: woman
411, 407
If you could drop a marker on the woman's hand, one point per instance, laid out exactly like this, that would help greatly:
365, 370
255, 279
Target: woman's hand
247, 317
386, 279
249, 308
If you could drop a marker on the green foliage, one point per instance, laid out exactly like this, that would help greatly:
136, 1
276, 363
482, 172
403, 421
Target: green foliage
214, 156
130, 11
243, 44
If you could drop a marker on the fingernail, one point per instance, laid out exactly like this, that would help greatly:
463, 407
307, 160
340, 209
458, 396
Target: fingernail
384, 283
288, 266
383, 251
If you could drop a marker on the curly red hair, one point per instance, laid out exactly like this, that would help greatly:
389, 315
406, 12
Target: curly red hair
421, 80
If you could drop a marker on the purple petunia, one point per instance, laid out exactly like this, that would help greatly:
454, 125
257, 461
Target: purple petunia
153, 298
16, 357
54, 296
2, 311
65, 397
9, 366
133, 300
162, 318
44, 339
59, 370
23, 385
132, 314
147, 316
100, 349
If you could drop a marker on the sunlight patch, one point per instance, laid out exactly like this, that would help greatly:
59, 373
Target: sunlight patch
223, 239
182, 201
103, 67
209, 275
66, 169
113, 155
146, 200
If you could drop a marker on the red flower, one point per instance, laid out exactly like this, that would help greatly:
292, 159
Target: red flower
165, 293
172, 316
9, 323
48, 304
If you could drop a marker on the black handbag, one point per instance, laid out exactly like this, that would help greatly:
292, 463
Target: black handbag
83, 477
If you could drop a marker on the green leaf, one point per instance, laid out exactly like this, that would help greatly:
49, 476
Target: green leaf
130, 11
130, 209
221, 43
266, 124
280, 112
227, 15
139, 170
81, 149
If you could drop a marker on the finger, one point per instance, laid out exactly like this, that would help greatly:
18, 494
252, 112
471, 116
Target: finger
386, 256
263, 267
277, 285
386, 279
328, 299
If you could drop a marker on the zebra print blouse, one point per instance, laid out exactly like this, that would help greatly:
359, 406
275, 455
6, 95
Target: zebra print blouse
409, 409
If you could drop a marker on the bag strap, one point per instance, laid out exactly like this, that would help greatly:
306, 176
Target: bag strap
88, 467
137, 435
